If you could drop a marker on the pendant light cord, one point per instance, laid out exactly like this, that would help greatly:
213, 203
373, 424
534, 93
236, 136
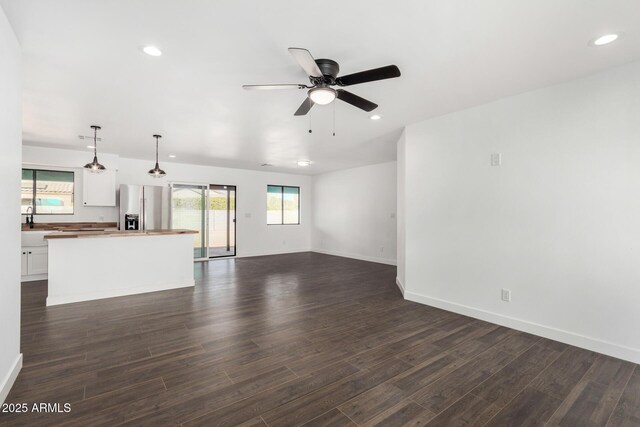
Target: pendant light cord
95, 142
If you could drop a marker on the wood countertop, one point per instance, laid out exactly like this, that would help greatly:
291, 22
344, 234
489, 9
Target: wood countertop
115, 233
70, 226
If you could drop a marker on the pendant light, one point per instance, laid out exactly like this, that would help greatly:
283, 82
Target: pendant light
156, 172
94, 166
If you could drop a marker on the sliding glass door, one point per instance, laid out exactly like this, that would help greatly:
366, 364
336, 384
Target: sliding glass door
222, 221
211, 211
188, 211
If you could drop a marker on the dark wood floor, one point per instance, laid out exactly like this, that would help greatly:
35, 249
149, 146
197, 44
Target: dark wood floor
302, 339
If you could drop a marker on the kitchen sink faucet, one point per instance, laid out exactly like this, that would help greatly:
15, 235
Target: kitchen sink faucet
30, 222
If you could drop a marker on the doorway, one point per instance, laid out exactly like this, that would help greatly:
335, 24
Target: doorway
188, 212
222, 221
211, 211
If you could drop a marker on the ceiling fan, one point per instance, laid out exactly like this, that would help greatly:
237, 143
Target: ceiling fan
323, 74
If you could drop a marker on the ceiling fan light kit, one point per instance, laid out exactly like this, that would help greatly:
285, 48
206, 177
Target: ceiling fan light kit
323, 74
322, 95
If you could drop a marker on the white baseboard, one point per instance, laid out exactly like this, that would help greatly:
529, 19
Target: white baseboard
356, 256
400, 285
567, 337
90, 296
10, 378
243, 254
33, 278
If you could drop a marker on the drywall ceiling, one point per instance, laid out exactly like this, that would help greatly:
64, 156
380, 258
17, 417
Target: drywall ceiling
83, 65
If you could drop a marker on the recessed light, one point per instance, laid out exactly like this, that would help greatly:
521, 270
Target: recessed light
91, 146
375, 117
303, 162
606, 39
172, 156
152, 51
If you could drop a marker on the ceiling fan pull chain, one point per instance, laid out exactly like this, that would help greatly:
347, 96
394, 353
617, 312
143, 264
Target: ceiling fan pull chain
334, 119
309, 123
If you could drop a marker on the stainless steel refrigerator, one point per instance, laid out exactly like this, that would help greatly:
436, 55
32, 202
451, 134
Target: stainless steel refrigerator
144, 207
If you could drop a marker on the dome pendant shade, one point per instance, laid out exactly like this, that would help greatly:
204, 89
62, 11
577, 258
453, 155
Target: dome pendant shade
156, 172
95, 166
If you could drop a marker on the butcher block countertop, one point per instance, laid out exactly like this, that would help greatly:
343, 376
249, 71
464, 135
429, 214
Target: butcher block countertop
70, 226
114, 233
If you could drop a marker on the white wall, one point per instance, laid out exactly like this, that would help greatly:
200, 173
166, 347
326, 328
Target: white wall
401, 214
354, 213
10, 160
558, 223
70, 160
254, 237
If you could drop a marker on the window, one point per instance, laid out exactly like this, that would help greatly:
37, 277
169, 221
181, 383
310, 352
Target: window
283, 205
47, 192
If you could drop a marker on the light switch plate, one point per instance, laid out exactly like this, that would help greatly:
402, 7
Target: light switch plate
496, 159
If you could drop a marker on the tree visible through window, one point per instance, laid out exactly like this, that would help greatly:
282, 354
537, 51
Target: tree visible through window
283, 205
47, 192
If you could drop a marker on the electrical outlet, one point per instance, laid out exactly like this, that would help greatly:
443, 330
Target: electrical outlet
496, 159
381, 249
247, 215
506, 295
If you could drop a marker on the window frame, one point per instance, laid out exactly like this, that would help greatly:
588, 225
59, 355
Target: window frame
282, 187
34, 190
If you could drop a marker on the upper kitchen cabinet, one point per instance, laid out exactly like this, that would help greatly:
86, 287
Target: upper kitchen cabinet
99, 189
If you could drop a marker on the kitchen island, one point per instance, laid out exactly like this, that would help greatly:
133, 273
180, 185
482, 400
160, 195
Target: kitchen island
89, 265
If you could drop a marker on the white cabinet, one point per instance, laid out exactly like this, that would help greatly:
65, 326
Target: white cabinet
24, 262
37, 259
98, 189
35, 263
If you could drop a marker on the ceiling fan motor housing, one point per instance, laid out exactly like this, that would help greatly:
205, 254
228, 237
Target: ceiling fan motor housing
330, 70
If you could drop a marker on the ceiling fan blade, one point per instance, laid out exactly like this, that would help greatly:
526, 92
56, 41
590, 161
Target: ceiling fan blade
274, 87
305, 107
356, 101
388, 72
306, 61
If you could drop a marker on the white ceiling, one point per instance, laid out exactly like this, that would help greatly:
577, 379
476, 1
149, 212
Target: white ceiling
83, 65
